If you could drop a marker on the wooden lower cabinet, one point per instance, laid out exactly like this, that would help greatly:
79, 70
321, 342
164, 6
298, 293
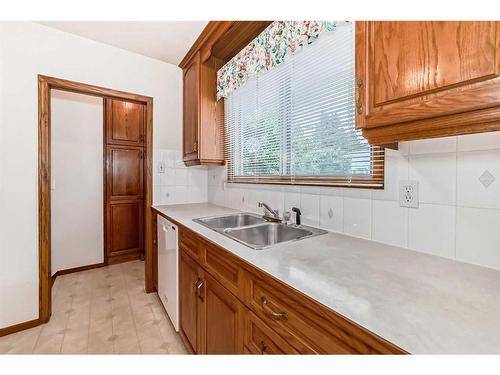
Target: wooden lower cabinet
260, 339
222, 319
189, 312
211, 317
229, 307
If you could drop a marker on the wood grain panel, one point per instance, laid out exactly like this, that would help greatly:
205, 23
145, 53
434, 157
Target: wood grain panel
222, 331
188, 301
125, 122
124, 173
227, 272
260, 339
428, 74
191, 109
237, 37
211, 139
125, 228
420, 58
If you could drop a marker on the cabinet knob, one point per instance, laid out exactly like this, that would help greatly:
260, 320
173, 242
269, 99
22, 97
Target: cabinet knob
263, 347
195, 146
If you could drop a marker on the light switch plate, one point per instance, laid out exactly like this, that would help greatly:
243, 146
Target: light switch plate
408, 193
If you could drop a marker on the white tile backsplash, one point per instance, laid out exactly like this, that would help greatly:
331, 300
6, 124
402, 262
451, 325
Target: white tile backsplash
309, 204
479, 142
471, 192
390, 223
178, 183
331, 213
477, 238
358, 217
431, 229
433, 146
436, 176
448, 171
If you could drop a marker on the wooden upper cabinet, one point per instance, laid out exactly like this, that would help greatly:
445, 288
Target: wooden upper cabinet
203, 114
427, 79
191, 106
125, 122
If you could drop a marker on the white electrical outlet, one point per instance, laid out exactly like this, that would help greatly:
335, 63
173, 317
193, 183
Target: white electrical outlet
408, 194
161, 167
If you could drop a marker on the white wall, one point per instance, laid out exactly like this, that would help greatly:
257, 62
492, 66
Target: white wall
77, 221
28, 49
458, 217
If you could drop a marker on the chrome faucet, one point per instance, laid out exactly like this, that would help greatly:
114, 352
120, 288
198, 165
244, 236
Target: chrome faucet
274, 213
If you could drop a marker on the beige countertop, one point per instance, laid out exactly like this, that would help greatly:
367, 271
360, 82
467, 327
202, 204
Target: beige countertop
421, 303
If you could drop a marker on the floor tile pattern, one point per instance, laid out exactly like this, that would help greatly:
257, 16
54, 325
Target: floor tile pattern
100, 311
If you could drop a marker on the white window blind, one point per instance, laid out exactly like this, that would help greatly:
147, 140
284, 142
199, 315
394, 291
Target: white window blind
295, 122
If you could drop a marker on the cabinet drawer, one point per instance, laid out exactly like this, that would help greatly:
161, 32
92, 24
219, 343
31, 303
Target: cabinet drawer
260, 339
189, 243
218, 263
307, 329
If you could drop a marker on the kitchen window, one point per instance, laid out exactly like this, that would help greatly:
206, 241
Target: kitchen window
294, 123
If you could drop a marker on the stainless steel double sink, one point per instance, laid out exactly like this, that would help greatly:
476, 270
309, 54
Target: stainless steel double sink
256, 232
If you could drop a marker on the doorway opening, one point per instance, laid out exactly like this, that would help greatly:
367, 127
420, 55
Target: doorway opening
123, 148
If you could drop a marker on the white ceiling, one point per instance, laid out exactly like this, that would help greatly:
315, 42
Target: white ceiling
166, 40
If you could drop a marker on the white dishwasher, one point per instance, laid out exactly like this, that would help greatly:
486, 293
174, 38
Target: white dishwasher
168, 268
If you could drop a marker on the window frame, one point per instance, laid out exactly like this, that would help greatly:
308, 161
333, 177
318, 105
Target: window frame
375, 180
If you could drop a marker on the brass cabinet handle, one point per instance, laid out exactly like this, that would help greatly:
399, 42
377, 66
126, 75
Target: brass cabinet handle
199, 284
277, 315
359, 104
263, 347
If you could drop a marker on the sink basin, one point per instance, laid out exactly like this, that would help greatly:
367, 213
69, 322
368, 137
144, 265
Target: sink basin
255, 232
230, 221
265, 235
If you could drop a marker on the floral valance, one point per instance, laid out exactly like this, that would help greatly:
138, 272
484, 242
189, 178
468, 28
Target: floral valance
267, 50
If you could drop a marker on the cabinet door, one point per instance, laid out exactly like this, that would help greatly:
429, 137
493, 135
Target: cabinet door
409, 71
191, 109
125, 122
223, 314
124, 173
124, 229
189, 281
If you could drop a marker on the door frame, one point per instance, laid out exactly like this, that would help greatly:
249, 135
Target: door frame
45, 84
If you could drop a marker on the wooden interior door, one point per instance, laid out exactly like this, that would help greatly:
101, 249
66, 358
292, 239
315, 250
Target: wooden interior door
125, 122
408, 71
222, 319
124, 180
189, 313
191, 106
